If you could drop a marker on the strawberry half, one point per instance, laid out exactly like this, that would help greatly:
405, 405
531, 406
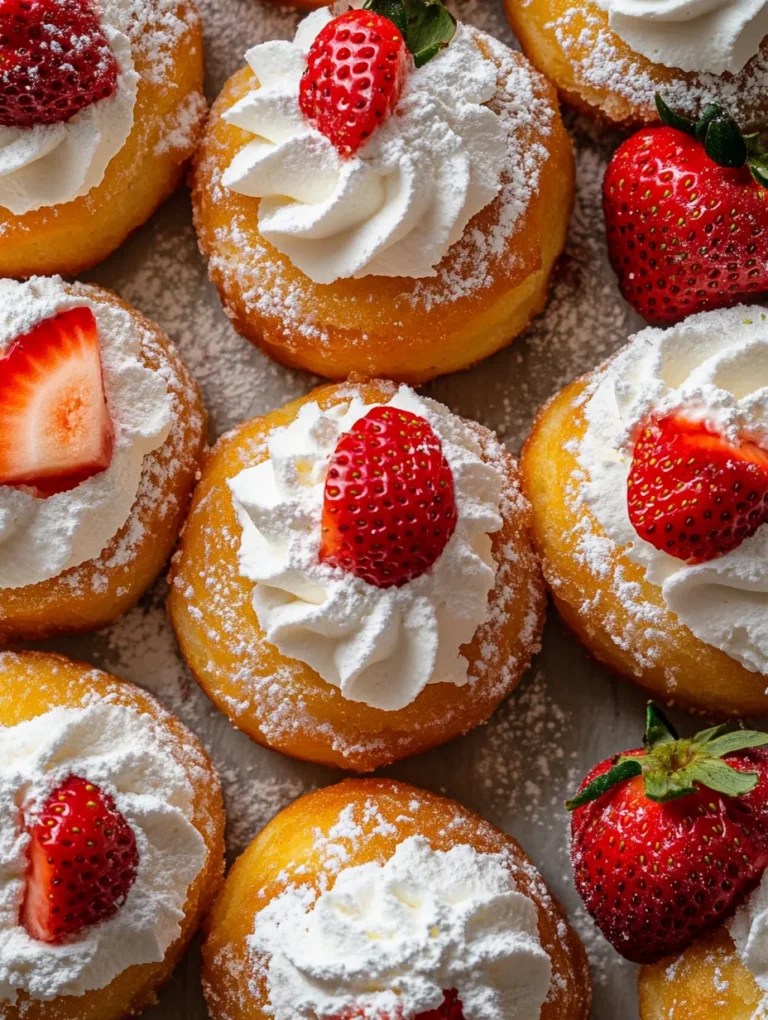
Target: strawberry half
355, 72
389, 508
450, 1009
82, 862
686, 212
54, 61
55, 428
668, 840
691, 493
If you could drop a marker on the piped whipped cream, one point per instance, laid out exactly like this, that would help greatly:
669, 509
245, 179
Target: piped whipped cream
396, 206
713, 367
50, 164
701, 36
381, 646
391, 938
41, 538
129, 757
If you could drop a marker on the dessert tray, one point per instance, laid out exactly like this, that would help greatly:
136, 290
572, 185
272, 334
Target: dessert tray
518, 769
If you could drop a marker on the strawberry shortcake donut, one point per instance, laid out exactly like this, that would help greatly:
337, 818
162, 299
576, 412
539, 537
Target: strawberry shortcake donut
100, 106
649, 484
609, 58
101, 432
355, 582
112, 841
375, 899
403, 221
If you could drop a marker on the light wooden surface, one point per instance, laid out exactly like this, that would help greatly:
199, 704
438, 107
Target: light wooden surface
569, 713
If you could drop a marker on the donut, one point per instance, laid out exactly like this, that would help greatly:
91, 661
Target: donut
61, 724
685, 624
376, 673
75, 558
419, 307
380, 855
71, 192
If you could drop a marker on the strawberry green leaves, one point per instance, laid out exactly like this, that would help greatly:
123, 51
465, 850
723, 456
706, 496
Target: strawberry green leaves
426, 25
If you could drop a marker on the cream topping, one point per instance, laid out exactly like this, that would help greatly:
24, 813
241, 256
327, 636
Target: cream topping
128, 756
50, 164
379, 646
41, 538
395, 207
391, 938
713, 367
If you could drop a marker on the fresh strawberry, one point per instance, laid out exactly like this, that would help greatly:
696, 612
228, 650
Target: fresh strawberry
389, 506
54, 61
691, 493
82, 862
686, 211
55, 428
355, 73
669, 839
450, 1009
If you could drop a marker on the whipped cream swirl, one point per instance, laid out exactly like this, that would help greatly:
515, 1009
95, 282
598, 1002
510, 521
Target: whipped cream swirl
395, 207
41, 538
50, 164
712, 367
391, 938
126, 754
701, 36
380, 646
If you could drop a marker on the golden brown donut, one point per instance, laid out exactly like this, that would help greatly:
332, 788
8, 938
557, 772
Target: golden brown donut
96, 592
387, 812
167, 50
302, 715
599, 74
32, 683
409, 330
706, 982
682, 670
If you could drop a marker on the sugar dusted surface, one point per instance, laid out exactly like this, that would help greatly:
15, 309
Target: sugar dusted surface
568, 713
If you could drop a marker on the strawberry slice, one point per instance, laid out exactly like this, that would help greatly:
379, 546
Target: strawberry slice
389, 508
55, 428
83, 861
693, 494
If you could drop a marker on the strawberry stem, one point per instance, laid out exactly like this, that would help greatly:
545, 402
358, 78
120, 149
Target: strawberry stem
426, 25
672, 767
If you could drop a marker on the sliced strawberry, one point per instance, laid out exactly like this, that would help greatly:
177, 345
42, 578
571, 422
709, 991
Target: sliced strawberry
355, 73
83, 861
55, 428
54, 61
389, 507
691, 493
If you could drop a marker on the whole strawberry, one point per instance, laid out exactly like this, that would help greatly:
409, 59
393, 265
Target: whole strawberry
54, 61
389, 508
669, 839
692, 493
82, 862
357, 65
686, 212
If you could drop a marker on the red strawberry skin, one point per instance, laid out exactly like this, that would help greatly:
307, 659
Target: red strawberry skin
691, 493
83, 861
656, 876
389, 508
684, 234
450, 1009
355, 73
54, 61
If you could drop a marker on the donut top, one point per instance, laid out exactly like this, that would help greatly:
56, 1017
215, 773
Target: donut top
47, 164
749, 930
379, 645
693, 35
130, 757
394, 938
43, 535
711, 368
